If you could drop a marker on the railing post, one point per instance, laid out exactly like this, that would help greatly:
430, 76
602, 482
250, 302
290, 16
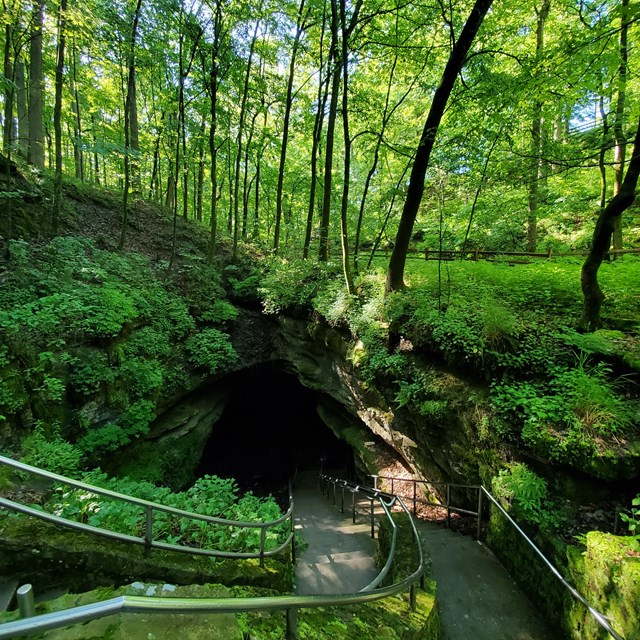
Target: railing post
413, 597
392, 486
292, 624
479, 514
375, 482
293, 541
263, 538
26, 603
342, 501
415, 496
334, 493
148, 527
373, 523
353, 507
448, 505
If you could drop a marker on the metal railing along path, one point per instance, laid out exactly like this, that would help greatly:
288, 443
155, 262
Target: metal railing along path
599, 617
149, 508
290, 604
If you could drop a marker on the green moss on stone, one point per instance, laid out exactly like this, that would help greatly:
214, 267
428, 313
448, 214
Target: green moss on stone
607, 572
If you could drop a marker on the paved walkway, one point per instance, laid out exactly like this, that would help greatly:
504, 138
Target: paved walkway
339, 558
477, 597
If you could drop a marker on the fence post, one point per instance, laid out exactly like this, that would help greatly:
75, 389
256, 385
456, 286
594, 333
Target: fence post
415, 503
292, 624
26, 603
293, 541
448, 505
342, 501
263, 537
148, 527
353, 507
373, 524
375, 482
479, 514
334, 493
413, 597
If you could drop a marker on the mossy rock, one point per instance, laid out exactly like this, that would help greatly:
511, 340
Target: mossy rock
144, 626
387, 619
607, 572
52, 557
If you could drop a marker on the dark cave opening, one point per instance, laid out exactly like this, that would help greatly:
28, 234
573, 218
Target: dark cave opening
270, 428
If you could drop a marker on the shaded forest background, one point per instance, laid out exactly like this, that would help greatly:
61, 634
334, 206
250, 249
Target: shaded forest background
292, 126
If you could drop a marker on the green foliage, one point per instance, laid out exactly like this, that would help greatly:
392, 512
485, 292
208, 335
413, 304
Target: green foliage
291, 285
527, 492
211, 350
53, 453
133, 423
632, 519
210, 496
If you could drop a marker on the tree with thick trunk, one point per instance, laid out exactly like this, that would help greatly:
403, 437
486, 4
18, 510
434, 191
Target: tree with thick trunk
593, 295
457, 58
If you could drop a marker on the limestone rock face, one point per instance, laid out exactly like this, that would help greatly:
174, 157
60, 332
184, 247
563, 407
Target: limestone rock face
439, 449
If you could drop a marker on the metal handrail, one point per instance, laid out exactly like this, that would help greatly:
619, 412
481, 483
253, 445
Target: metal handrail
149, 604
376, 494
599, 617
149, 508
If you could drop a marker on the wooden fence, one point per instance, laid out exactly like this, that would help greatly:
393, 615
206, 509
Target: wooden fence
478, 254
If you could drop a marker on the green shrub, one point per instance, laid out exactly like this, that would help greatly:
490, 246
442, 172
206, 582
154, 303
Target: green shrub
53, 454
527, 492
211, 350
210, 495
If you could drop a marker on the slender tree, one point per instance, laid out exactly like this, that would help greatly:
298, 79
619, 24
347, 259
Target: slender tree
457, 57
57, 114
601, 242
36, 84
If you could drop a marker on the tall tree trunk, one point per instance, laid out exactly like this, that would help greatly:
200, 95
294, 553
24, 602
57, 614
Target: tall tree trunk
285, 125
618, 123
214, 81
246, 188
199, 186
23, 114
323, 90
457, 57
256, 203
243, 110
344, 206
335, 71
36, 84
536, 170
57, 115
8, 125
77, 121
128, 120
591, 291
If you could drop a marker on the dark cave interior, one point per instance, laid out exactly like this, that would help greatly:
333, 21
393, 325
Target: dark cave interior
269, 429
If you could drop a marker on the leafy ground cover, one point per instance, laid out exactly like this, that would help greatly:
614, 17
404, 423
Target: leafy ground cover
568, 397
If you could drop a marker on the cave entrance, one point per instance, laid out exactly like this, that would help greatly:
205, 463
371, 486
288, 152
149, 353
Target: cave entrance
269, 428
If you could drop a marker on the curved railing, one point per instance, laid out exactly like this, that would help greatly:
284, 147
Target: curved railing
484, 493
149, 509
148, 604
